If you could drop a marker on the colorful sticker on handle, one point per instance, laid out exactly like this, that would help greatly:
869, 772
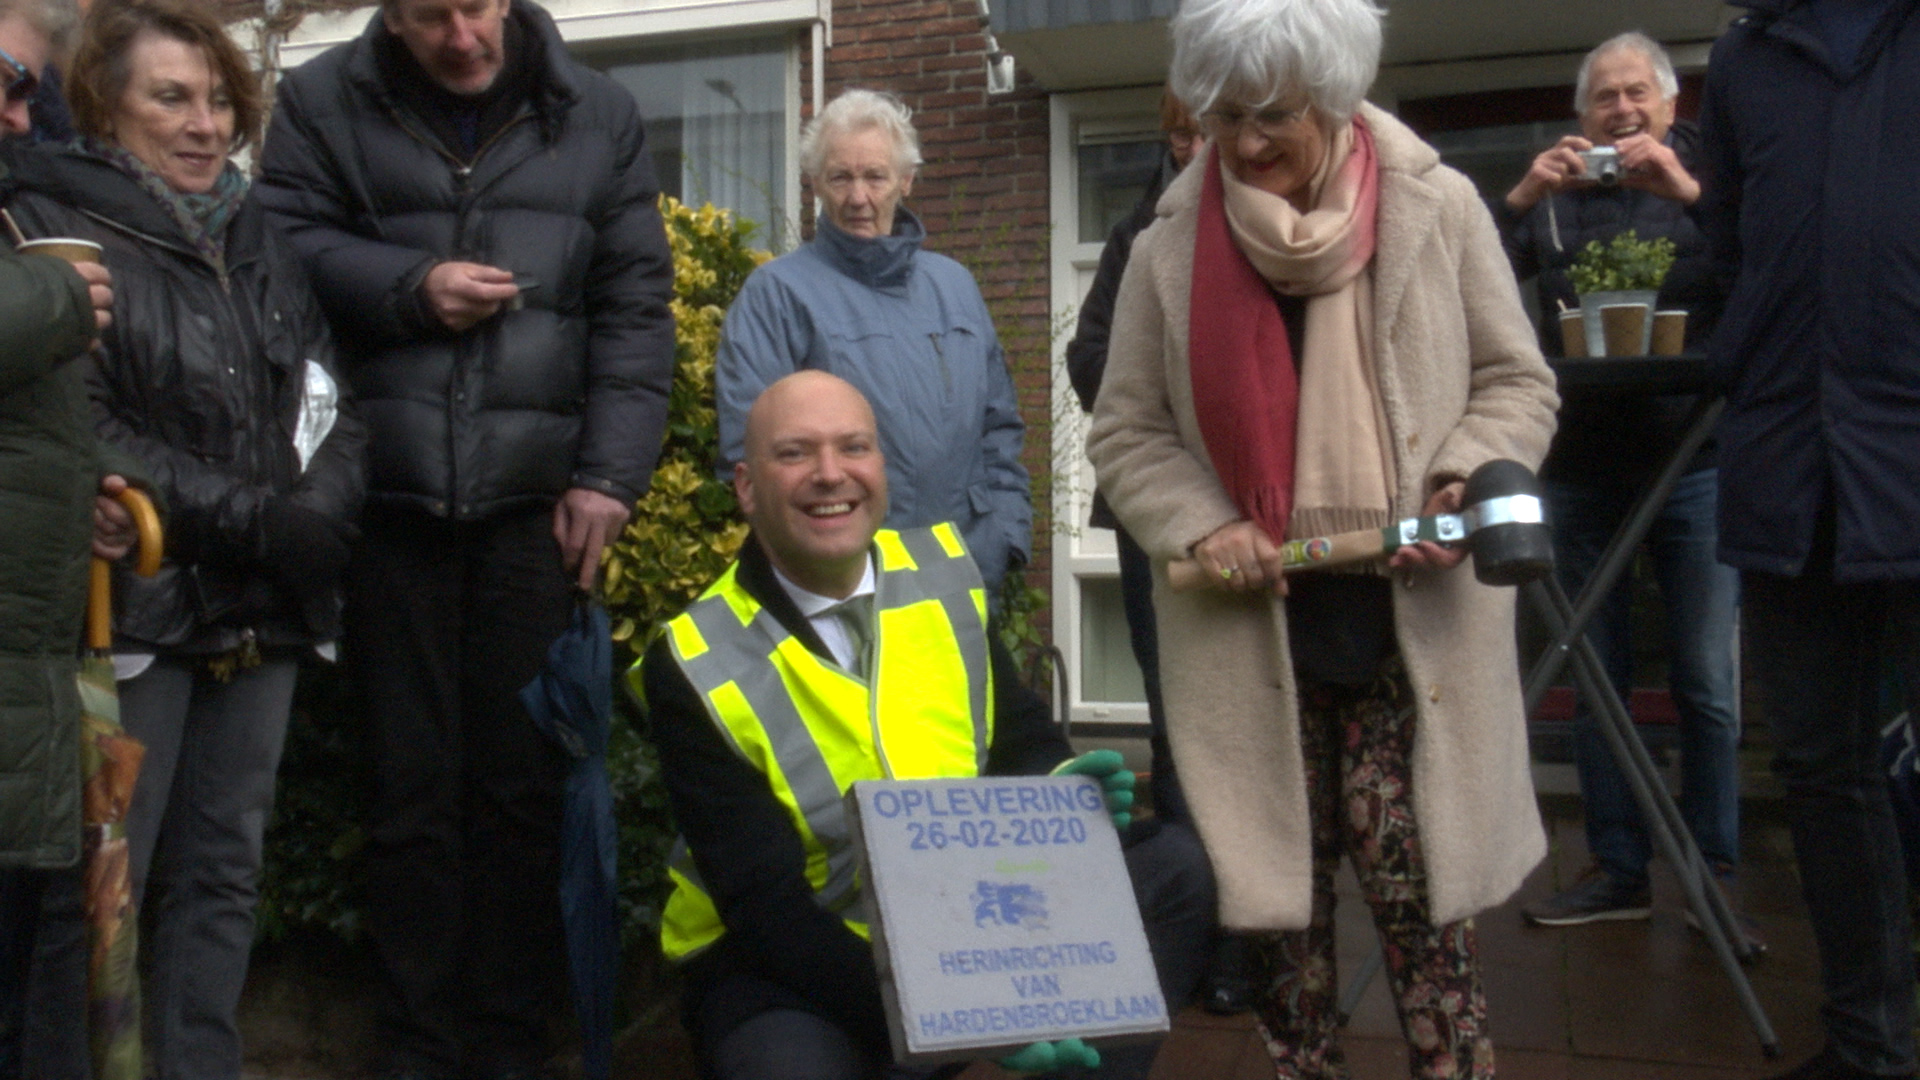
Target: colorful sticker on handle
1305, 552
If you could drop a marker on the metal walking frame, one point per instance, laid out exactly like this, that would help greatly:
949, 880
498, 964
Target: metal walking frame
1567, 621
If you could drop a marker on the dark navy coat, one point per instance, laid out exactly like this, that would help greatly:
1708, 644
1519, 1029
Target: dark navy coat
1811, 210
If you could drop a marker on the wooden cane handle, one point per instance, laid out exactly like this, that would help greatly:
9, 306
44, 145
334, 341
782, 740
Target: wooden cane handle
146, 523
100, 605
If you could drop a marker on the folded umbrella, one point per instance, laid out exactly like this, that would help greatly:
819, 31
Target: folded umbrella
109, 765
571, 700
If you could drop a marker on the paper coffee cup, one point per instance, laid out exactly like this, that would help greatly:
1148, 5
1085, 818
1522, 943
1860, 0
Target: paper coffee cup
1669, 333
1625, 328
1573, 334
72, 249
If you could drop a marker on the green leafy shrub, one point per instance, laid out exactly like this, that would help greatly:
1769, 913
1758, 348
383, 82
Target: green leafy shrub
684, 532
1624, 263
311, 879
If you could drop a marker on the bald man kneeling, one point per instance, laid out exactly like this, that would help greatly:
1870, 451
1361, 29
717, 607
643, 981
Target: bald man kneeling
759, 699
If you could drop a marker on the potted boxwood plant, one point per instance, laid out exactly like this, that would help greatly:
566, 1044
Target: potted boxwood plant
1624, 270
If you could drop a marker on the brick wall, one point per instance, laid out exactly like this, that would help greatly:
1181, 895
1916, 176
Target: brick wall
983, 189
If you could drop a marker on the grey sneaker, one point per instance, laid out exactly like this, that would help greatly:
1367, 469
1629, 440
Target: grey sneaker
1597, 896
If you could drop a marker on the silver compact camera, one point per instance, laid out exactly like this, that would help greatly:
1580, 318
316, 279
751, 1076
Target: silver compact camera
1602, 165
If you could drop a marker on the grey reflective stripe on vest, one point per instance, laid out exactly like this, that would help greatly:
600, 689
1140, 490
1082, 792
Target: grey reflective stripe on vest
953, 580
741, 656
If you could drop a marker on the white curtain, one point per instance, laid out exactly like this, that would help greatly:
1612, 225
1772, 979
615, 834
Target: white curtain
720, 110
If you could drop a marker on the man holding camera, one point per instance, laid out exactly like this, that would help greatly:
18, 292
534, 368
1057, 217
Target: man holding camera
1641, 178
1631, 168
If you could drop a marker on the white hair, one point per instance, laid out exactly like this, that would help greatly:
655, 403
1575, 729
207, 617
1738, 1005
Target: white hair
55, 20
1256, 51
1633, 39
860, 110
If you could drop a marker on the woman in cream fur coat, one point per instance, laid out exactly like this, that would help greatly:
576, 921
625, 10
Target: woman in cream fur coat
1320, 333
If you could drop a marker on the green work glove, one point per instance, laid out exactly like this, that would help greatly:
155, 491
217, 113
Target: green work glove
1116, 781
1043, 1057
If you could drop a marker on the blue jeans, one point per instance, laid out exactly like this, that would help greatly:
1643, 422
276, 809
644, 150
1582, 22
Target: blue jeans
1701, 597
195, 834
1815, 649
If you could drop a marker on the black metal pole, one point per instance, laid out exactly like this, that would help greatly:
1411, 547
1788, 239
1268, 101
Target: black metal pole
1657, 810
1619, 552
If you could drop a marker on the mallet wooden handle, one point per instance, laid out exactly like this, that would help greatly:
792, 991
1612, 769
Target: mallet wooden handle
1344, 549
146, 524
1317, 553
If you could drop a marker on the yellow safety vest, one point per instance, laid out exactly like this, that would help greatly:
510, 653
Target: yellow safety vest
812, 728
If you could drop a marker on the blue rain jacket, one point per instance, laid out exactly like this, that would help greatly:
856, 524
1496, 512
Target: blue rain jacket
911, 331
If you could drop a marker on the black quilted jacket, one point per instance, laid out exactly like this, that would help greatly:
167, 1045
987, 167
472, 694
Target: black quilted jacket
201, 379
568, 391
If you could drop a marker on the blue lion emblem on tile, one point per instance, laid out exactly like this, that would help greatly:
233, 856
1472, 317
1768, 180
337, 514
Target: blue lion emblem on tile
1009, 905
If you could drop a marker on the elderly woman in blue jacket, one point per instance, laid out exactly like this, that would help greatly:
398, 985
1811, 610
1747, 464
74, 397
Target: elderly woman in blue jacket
904, 325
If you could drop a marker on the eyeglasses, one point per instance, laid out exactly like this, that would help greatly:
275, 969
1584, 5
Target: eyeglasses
1270, 123
24, 81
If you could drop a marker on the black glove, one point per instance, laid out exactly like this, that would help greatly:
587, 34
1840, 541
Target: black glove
304, 549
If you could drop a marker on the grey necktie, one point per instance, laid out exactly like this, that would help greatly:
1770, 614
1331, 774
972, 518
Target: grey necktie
856, 614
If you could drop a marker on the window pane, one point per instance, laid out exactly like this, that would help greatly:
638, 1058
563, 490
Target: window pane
716, 123
1113, 177
1495, 158
1108, 671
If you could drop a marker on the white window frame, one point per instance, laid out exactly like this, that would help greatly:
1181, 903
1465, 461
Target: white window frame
616, 24
1082, 553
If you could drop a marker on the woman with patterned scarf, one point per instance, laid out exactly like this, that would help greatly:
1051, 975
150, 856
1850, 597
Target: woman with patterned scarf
1319, 333
217, 373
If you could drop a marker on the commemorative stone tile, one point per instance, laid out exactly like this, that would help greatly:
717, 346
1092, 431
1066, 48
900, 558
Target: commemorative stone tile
1002, 915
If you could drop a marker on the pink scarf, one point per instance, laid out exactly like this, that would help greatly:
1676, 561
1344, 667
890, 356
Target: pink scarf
1248, 394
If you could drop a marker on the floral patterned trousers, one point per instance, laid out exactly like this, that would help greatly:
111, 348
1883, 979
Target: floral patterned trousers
1358, 743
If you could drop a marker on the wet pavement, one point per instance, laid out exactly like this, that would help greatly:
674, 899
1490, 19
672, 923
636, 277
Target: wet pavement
1607, 1001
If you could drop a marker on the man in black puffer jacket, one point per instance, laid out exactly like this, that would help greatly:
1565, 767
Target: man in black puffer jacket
477, 212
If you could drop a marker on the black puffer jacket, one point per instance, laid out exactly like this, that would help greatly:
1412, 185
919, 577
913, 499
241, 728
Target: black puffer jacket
570, 390
202, 379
